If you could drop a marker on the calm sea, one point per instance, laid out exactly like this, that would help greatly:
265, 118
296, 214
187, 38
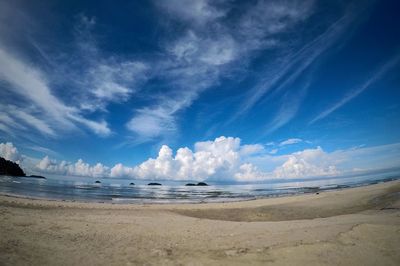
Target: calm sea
120, 190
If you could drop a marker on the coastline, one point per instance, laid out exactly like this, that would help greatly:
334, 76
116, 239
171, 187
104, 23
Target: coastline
346, 226
161, 201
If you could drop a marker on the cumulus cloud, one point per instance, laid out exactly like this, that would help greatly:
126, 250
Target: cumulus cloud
304, 164
251, 149
9, 152
119, 170
307, 163
226, 159
248, 172
210, 159
219, 159
79, 168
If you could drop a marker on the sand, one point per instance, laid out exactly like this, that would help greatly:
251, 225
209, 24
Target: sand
358, 226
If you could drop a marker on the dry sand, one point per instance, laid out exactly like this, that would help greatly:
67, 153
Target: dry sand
359, 226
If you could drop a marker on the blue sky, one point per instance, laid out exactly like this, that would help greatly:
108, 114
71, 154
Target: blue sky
253, 89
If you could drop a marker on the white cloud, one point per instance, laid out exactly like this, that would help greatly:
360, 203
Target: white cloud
273, 151
207, 50
79, 168
151, 123
193, 65
251, 149
194, 11
219, 51
93, 81
218, 159
210, 159
304, 164
100, 79
290, 141
119, 170
43, 150
31, 120
290, 104
225, 159
249, 173
50, 166
117, 81
9, 152
99, 127
260, 23
221, 159
29, 83
307, 163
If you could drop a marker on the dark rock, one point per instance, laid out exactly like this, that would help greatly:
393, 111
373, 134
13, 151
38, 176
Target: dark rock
132, 184
37, 176
97, 182
10, 168
154, 184
202, 184
190, 185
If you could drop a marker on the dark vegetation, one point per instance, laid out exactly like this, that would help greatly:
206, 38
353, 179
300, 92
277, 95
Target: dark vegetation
10, 168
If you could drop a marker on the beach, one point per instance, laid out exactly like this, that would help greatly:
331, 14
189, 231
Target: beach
355, 226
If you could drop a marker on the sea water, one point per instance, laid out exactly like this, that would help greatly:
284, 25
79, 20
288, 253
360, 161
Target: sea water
121, 191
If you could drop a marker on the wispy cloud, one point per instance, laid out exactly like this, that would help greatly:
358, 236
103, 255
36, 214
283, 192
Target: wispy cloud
102, 79
290, 105
206, 51
30, 85
192, 11
290, 141
285, 71
359, 89
44, 150
31, 92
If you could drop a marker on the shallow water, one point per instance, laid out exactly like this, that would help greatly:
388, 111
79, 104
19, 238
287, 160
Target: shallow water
120, 190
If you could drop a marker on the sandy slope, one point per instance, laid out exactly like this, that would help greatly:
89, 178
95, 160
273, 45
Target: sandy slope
358, 226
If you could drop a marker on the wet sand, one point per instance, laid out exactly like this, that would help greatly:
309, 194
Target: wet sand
358, 226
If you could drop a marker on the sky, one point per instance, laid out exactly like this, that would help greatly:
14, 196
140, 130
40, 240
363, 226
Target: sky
200, 90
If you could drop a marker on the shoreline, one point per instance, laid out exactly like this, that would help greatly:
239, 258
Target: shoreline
167, 202
370, 191
354, 226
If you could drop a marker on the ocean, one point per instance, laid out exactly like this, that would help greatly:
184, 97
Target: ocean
120, 191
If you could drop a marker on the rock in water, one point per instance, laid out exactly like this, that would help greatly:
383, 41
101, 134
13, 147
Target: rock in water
37, 176
132, 184
154, 184
97, 182
202, 184
190, 185
10, 168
